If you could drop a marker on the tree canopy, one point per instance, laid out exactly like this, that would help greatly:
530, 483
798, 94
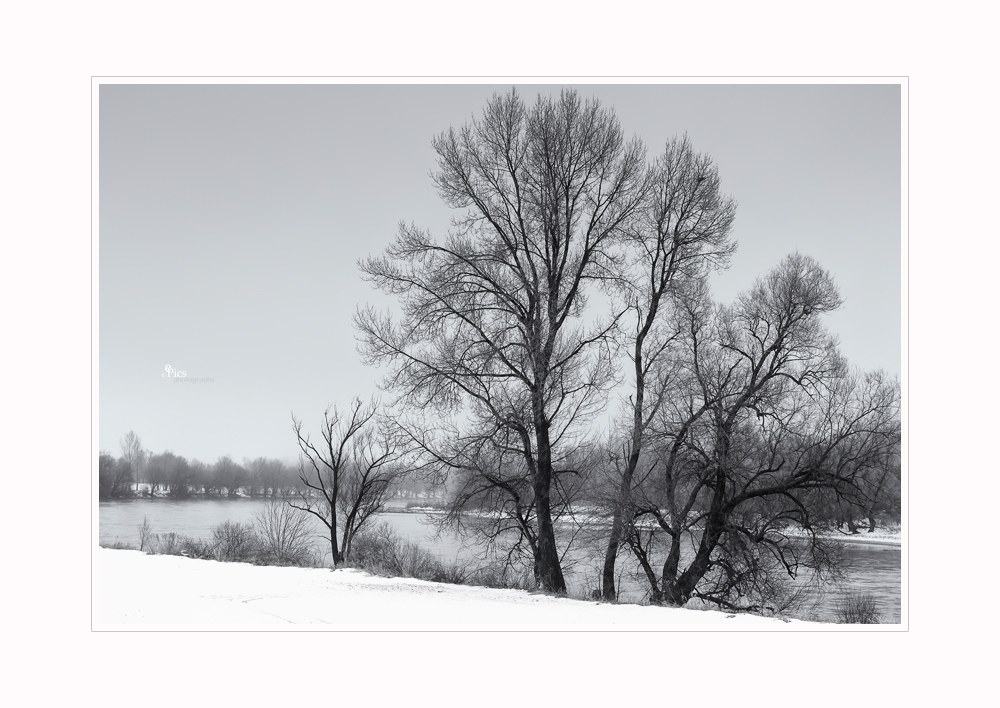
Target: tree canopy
575, 265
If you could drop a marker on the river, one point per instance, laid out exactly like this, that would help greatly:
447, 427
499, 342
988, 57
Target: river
870, 568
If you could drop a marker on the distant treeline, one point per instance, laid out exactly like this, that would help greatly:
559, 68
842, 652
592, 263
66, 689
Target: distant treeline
166, 474
173, 475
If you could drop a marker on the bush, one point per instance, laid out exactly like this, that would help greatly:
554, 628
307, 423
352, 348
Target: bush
197, 548
168, 544
859, 609
383, 551
277, 536
146, 535
502, 575
453, 574
235, 542
284, 536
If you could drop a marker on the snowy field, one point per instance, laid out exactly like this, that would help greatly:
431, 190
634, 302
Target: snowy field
171, 591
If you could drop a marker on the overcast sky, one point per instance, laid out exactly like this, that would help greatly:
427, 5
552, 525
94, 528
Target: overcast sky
232, 219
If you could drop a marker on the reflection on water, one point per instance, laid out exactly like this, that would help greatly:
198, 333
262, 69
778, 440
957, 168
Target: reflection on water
870, 569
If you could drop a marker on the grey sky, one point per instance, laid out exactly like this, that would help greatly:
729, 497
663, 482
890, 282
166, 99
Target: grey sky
232, 218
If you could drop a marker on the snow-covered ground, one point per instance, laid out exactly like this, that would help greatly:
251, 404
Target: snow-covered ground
137, 589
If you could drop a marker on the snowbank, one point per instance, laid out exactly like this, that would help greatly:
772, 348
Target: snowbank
878, 537
132, 588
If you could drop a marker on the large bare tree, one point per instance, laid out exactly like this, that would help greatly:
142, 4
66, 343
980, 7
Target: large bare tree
682, 233
763, 414
494, 338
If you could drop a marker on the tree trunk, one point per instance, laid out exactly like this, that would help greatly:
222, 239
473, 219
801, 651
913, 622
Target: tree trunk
338, 557
610, 556
625, 490
678, 592
549, 569
673, 561
655, 594
617, 523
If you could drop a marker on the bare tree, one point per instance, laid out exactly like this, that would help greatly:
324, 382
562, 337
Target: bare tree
764, 414
881, 493
257, 470
154, 475
876, 497
286, 481
682, 233
494, 337
133, 455
201, 476
349, 475
171, 470
114, 477
268, 476
227, 473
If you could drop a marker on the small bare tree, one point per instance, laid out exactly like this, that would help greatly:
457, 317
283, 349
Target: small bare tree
349, 476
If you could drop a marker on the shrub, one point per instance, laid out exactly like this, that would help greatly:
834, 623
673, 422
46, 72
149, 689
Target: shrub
859, 609
277, 536
453, 573
197, 548
168, 544
383, 551
175, 544
502, 575
146, 535
235, 542
284, 536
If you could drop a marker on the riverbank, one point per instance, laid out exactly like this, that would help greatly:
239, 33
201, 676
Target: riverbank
136, 589
146, 491
879, 537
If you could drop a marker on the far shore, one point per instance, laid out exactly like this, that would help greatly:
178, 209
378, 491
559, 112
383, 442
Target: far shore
879, 537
